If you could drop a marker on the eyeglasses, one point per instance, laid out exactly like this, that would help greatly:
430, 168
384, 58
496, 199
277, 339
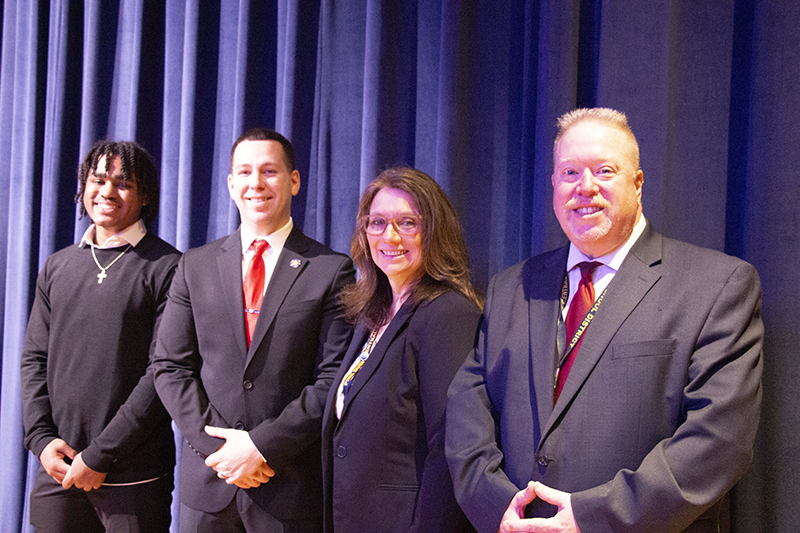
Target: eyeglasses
406, 225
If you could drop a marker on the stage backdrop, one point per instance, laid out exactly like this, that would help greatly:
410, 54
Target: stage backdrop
466, 91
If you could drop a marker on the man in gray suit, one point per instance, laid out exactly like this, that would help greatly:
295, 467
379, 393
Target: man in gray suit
642, 418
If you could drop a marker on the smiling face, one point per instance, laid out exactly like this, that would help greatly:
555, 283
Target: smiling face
262, 186
112, 202
597, 189
398, 256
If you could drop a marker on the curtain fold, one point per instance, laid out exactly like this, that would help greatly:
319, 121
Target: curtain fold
467, 92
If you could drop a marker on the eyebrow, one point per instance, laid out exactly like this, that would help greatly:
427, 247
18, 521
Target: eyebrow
117, 176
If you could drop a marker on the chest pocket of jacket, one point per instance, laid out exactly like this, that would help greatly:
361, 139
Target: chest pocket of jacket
662, 347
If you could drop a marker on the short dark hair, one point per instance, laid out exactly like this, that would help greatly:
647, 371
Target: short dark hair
266, 134
137, 166
444, 254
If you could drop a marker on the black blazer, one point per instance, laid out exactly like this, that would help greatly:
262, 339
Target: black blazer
383, 462
657, 418
276, 390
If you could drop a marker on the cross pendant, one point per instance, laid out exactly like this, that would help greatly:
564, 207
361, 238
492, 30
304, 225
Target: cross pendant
101, 276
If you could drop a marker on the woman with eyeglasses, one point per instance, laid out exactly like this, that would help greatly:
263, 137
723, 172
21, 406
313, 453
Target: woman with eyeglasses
416, 316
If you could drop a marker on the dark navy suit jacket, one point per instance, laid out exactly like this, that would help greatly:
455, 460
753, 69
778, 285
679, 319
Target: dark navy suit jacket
276, 390
383, 462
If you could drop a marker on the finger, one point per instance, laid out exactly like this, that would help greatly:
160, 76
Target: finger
261, 476
548, 494
525, 496
213, 460
216, 432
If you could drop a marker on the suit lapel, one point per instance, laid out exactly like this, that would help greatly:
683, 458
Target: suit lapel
543, 321
377, 355
229, 266
288, 268
631, 283
360, 336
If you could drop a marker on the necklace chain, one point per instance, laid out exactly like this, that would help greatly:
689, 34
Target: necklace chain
102, 275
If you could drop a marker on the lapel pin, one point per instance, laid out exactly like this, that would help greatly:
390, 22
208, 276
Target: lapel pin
294, 263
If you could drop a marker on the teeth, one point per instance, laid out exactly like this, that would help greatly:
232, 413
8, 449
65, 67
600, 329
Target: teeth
588, 210
395, 253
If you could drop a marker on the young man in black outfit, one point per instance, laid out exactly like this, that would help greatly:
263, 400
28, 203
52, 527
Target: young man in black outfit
90, 409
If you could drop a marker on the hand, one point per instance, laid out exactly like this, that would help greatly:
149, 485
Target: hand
52, 459
563, 522
238, 461
82, 476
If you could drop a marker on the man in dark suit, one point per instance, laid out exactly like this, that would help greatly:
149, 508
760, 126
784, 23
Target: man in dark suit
644, 417
248, 394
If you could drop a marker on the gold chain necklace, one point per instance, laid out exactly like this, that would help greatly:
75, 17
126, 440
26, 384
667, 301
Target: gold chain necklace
102, 275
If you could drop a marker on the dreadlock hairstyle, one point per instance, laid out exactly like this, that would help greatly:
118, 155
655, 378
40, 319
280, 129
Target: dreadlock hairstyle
137, 165
444, 254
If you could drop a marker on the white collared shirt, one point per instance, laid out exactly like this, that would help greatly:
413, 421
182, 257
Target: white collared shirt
605, 272
130, 235
276, 241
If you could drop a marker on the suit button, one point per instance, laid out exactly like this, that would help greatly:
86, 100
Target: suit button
247, 384
341, 452
543, 460
239, 426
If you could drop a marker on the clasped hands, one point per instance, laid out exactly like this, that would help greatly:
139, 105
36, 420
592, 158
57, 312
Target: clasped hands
514, 517
238, 461
77, 473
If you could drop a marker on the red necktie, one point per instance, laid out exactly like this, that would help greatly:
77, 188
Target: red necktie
581, 303
254, 287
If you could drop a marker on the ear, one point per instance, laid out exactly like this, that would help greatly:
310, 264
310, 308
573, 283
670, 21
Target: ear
638, 180
295, 182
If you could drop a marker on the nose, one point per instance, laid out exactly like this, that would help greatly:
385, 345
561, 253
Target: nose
587, 185
257, 181
108, 189
390, 233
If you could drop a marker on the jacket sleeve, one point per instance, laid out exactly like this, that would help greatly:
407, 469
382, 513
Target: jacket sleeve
481, 487
176, 369
449, 325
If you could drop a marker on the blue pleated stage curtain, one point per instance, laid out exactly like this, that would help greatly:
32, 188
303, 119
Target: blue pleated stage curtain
466, 91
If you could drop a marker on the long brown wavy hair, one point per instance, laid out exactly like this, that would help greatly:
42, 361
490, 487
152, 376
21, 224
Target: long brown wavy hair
444, 254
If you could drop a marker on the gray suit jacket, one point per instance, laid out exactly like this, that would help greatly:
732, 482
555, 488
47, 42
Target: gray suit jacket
275, 390
657, 418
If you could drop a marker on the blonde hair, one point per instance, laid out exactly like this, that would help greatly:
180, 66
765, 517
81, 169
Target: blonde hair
611, 117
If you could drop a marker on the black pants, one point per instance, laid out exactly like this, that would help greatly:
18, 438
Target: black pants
142, 508
242, 515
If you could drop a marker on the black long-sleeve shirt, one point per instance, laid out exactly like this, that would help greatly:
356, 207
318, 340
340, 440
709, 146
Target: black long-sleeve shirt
85, 360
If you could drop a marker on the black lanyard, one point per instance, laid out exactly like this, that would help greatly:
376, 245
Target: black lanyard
561, 338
